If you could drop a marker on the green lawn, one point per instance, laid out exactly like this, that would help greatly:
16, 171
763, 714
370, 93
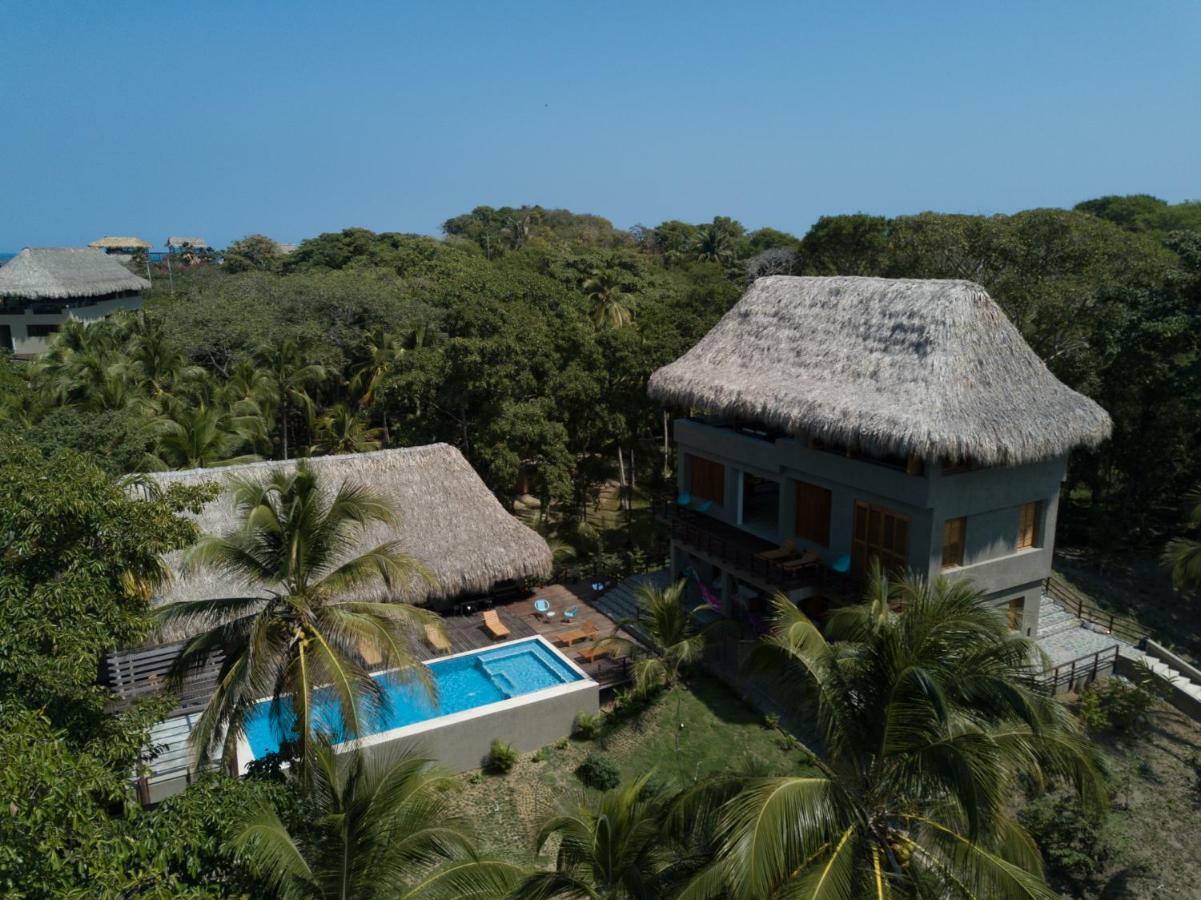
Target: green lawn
720, 733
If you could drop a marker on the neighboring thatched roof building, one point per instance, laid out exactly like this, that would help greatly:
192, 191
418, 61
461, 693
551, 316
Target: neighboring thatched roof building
932, 368
64, 273
120, 243
186, 243
449, 521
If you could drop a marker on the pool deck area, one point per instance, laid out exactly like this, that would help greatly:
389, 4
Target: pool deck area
467, 632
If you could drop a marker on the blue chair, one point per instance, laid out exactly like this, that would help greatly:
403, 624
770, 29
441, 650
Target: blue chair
684, 499
569, 614
705, 507
542, 606
842, 565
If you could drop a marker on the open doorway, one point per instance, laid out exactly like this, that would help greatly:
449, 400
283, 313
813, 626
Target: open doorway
760, 511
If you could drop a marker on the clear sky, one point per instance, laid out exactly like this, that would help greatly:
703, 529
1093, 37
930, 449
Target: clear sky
220, 119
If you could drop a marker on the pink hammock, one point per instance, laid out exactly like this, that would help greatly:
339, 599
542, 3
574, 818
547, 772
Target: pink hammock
708, 596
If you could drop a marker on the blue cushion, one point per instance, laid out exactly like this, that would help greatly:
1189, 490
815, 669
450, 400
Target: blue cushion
842, 565
704, 507
684, 499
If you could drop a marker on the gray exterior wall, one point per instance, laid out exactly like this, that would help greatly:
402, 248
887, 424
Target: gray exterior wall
23, 344
988, 499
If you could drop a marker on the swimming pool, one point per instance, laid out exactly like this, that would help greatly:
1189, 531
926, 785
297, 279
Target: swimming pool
465, 682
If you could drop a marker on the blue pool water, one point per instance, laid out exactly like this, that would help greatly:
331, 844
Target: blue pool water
465, 682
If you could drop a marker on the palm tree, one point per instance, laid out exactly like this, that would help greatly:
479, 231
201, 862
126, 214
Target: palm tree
1182, 556
928, 720
197, 436
159, 363
291, 377
308, 626
341, 430
377, 825
608, 300
675, 642
611, 846
714, 243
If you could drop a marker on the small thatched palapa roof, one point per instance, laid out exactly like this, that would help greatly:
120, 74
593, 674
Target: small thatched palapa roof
932, 368
120, 243
63, 273
187, 243
449, 521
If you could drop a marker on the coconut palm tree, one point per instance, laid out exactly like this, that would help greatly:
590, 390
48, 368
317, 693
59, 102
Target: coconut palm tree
377, 825
342, 430
292, 375
1182, 556
610, 846
714, 243
308, 624
609, 302
928, 720
675, 640
198, 436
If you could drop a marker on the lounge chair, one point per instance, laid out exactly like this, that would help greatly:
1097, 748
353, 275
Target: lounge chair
585, 631
541, 607
597, 650
786, 550
370, 654
436, 639
806, 559
493, 625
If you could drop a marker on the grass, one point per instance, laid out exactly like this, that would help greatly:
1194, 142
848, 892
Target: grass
720, 733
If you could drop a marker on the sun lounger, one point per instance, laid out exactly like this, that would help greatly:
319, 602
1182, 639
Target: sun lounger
494, 626
808, 558
436, 639
597, 650
786, 550
585, 631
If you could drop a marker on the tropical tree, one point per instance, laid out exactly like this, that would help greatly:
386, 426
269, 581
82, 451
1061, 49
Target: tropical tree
309, 624
675, 642
199, 436
292, 375
610, 846
929, 719
1182, 556
377, 825
609, 303
342, 430
715, 242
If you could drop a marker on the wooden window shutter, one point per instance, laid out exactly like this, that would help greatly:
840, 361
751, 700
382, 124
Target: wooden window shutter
708, 479
813, 513
1028, 525
953, 533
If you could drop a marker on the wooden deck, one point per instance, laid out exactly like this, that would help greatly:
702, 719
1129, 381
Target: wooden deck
467, 632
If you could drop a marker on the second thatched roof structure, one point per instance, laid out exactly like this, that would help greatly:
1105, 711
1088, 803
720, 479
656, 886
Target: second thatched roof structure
119, 243
66, 273
932, 368
448, 520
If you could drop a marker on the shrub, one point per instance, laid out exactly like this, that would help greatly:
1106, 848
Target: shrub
1116, 705
501, 758
586, 726
1072, 837
598, 772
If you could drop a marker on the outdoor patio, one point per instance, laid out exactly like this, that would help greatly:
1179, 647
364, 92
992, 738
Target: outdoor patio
467, 632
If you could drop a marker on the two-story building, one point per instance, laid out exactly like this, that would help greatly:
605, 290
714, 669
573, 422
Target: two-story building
42, 287
850, 419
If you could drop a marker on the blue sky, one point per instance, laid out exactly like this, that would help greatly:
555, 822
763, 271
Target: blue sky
221, 119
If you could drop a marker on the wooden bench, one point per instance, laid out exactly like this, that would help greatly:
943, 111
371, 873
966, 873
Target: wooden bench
575, 635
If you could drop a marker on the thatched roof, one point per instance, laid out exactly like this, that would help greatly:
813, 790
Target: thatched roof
927, 367
449, 521
119, 243
61, 273
183, 243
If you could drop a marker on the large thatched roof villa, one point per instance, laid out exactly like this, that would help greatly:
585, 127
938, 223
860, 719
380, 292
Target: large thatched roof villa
448, 520
40, 288
856, 418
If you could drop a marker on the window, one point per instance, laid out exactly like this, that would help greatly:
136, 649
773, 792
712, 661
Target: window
953, 531
879, 534
708, 479
40, 330
1028, 525
1017, 609
813, 513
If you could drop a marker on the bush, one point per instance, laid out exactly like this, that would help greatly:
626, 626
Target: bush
501, 758
586, 726
1116, 705
1073, 840
598, 772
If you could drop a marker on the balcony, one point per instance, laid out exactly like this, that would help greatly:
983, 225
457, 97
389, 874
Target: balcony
736, 551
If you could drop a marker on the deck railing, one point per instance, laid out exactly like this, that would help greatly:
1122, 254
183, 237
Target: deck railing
689, 527
1085, 609
1077, 673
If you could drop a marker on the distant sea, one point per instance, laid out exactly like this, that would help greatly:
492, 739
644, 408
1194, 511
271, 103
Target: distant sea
5, 257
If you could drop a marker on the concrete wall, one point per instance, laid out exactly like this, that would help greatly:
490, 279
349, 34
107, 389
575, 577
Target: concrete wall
23, 344
989, 500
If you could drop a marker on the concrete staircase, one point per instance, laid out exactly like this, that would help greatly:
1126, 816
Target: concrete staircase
1053, 619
